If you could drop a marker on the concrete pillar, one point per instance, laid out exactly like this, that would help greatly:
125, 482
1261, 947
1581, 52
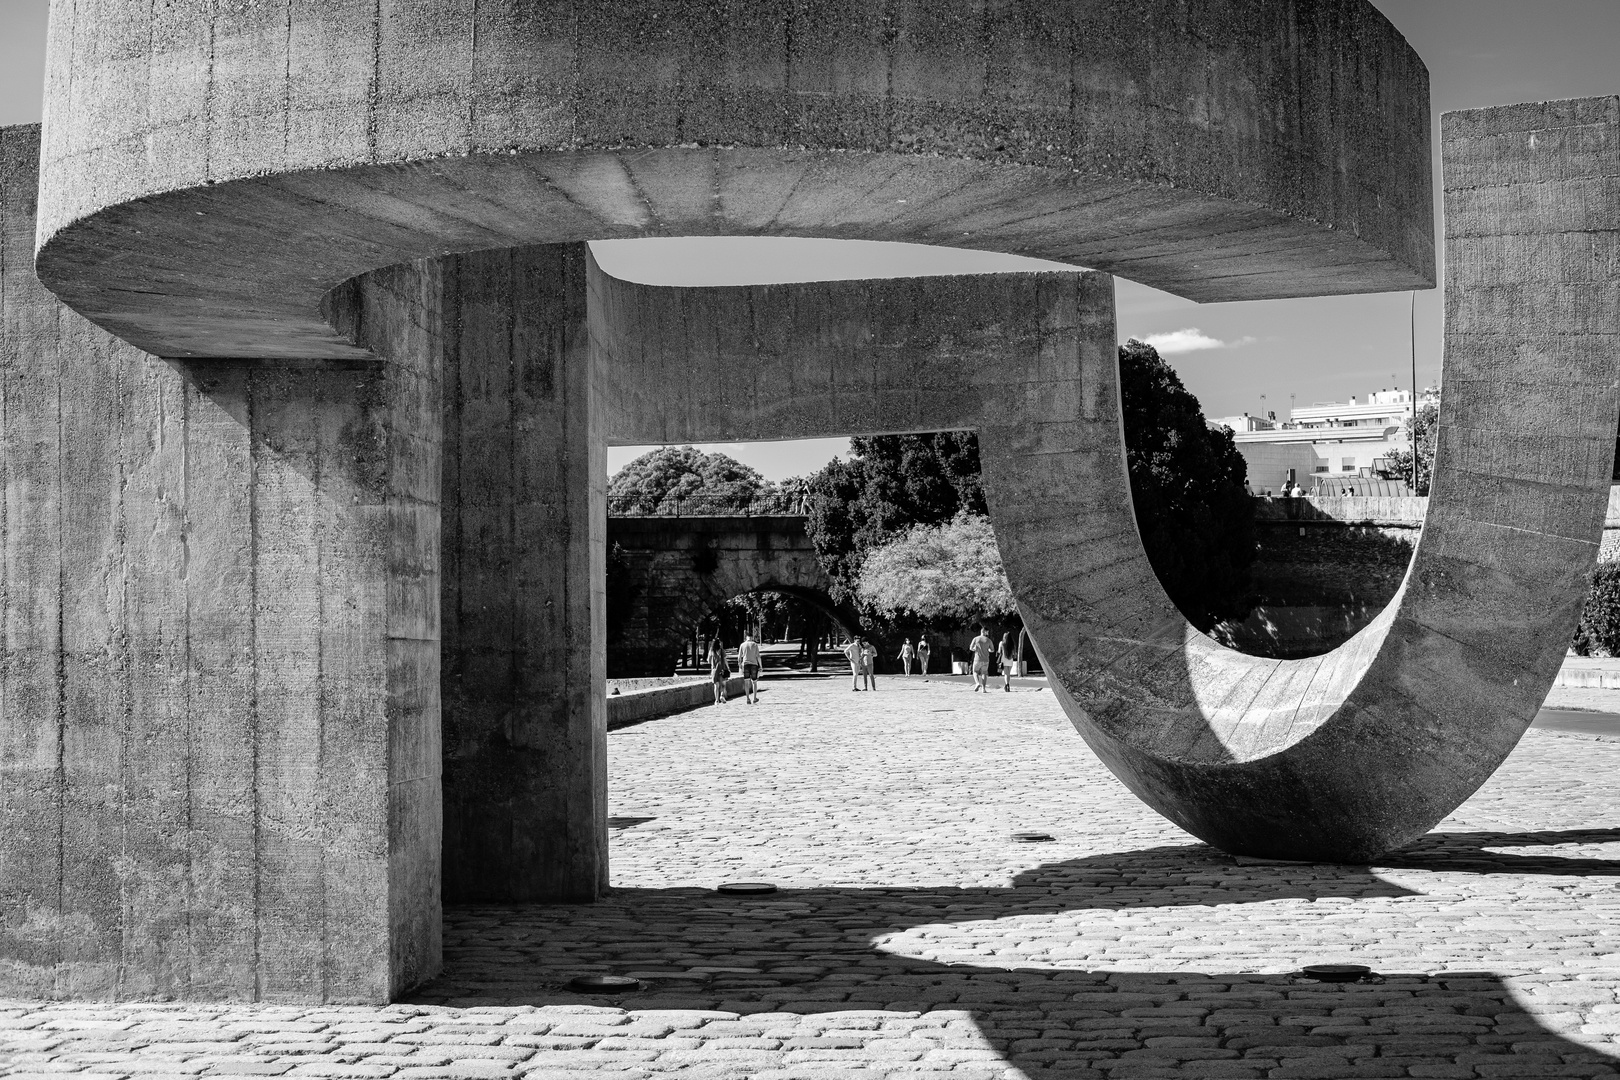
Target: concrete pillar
524, 517
219, 764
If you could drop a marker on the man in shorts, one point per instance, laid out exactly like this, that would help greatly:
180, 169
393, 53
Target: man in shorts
855, 653
748, 657
982, 648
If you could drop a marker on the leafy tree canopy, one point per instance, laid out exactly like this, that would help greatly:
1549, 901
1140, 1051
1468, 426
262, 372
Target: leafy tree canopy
1421, 431
938, 572
889, 484
683, 472
1194, 513
1187, 482
1599, 629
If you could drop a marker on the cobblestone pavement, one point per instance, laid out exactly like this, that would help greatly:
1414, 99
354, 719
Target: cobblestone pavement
912, 937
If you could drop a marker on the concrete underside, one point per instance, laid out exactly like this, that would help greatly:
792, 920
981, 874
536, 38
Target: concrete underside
398, 466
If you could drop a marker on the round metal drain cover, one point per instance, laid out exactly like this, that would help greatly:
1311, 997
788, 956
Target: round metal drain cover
1033, 838
746, 888
603, 984
1336, 972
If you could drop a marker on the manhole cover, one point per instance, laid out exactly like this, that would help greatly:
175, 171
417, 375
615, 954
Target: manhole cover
603, 984
746, 888
1336, 972
1033, 838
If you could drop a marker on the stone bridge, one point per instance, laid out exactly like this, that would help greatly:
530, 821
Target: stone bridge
667, 573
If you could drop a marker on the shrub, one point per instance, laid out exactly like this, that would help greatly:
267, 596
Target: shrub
1600, 618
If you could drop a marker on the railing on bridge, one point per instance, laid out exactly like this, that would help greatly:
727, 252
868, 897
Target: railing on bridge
776, 504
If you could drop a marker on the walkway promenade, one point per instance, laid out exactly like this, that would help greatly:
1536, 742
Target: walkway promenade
912, 937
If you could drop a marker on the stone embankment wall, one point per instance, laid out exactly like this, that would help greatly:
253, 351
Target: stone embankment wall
651, 702
1326, 566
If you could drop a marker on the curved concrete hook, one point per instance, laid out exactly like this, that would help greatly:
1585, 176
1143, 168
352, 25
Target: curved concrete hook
1347, 755
1283, 181
1337, 757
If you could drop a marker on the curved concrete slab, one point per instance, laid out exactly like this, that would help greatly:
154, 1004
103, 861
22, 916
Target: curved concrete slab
404, 185
210, 173
1339, 757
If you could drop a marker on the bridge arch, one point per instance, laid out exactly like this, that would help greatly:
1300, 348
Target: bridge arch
668, 573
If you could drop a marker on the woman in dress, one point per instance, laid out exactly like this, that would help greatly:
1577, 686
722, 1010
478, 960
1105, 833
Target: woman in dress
719, 670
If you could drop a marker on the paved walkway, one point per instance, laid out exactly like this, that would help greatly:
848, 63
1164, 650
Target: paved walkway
912, 938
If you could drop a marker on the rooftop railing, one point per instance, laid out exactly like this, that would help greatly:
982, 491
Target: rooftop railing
776, 504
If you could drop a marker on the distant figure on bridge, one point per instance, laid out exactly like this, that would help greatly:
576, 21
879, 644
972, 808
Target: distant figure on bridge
905, 656
922, 657
719, 670
981, 647
748, 657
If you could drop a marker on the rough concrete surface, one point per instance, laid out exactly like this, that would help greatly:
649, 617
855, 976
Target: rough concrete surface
1231, 150
289, 188
911, 939
219, 758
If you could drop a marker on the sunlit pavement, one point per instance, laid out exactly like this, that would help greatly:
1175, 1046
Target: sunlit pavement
911, 936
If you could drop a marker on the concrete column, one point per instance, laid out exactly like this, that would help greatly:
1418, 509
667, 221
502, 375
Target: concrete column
524, 516
218, 660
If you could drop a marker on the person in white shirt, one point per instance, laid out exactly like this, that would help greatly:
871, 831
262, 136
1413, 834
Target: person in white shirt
982, 648
748, 657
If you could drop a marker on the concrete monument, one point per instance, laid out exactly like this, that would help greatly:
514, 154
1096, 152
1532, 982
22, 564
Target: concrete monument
303, 621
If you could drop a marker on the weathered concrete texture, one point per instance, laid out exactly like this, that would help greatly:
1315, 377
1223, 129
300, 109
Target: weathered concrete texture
237, 162
525, 474
672, 572
219, 663
1341, 756
1353, 753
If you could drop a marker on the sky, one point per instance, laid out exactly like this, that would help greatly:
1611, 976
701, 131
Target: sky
1479, 52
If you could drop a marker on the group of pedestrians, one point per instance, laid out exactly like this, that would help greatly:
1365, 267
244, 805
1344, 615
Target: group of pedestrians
983, 648
862, 656
720, 668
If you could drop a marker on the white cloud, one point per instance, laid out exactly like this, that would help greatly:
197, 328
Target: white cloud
1191, 339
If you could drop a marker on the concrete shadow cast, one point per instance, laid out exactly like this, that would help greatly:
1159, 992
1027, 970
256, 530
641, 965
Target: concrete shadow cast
822, 950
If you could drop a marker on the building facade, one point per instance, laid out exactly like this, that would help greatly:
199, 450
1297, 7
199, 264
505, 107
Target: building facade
1327, 447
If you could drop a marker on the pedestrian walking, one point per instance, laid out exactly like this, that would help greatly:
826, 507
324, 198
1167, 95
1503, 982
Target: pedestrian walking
922, 657
868, 663
748, 658
1008, 660
981, 647
719, 670
856, 655
905, 656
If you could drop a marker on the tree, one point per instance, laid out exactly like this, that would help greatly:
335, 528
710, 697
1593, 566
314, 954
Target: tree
1193, 509
655, 480
889, 484
938, 572
1421, 432
1599, 628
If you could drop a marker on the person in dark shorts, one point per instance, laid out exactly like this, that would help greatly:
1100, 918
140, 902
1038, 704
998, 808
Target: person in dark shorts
719, 670
748, 658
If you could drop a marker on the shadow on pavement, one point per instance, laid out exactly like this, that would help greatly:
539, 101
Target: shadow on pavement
818, 950
1466, 852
